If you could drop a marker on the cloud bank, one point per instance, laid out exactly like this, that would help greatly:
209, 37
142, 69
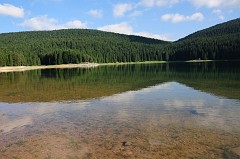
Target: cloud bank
125, 28
177, 18
45, 23
119, 10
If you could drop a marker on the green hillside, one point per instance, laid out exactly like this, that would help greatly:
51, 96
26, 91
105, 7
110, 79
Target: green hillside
75, 46
227, 28
220, 42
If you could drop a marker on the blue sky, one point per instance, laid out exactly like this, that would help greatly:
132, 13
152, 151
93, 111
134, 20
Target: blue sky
160, 19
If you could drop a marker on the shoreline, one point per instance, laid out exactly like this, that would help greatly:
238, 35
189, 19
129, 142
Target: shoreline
90, 65
132, 63
28, 68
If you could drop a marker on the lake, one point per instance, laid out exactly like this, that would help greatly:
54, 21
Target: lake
173, 110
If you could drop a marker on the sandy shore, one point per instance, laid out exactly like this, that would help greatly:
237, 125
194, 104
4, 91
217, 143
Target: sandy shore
26, 68
85, 65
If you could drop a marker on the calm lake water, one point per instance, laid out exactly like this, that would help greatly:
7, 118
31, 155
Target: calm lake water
176, 110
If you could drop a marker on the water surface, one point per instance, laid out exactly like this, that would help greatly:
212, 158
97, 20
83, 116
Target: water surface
130, 111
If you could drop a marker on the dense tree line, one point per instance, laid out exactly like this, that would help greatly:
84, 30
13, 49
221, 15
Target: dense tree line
225, 47
75, 46
220, 42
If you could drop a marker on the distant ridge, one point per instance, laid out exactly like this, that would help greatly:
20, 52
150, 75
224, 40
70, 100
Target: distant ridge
230, 27
220, 42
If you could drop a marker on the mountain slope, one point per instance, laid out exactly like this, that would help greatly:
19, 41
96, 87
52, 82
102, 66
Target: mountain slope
75, 46
227, 28
220, 42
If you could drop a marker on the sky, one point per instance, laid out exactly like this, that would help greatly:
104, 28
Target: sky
160, 19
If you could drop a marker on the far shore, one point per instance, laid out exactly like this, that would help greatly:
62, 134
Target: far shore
129, 63
27, 68
84, 65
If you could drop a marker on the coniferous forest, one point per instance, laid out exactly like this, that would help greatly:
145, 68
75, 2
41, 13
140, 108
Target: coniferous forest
220, 42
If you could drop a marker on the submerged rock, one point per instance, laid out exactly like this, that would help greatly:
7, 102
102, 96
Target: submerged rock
234, 153
125, 143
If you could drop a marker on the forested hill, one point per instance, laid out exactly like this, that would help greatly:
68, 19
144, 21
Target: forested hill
75, 46
220, 42
76, 34
227, 28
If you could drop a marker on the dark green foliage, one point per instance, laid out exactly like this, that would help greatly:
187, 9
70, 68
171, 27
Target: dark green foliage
230, 27
75, 46
220, 42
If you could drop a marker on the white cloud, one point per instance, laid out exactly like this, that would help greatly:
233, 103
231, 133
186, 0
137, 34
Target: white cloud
233, 3
221, 17
11, 10
152, 3
73, 24
135, 13
219, 13
122, 28
207, 3
176, 18
119, 10
45, 23
216, 3
153, 36
125, 28
197, 3
40, 23
95, 13
147, 3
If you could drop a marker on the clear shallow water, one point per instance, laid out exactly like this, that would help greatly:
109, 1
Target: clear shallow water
146, 116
